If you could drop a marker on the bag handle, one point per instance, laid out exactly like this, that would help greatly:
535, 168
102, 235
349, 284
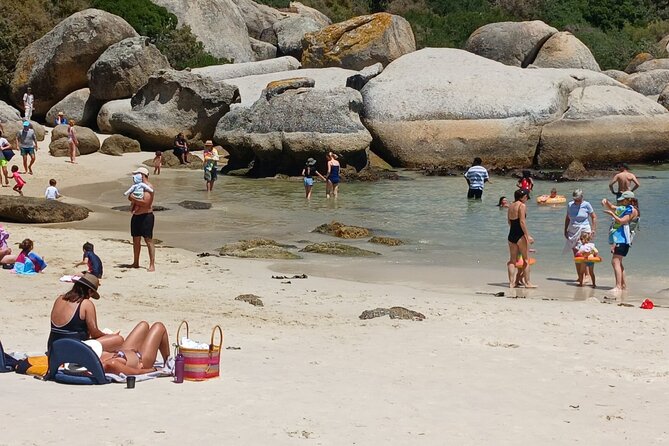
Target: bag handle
179, 329
213, 332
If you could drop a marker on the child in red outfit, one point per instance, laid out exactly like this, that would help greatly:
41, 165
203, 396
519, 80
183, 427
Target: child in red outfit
19, 181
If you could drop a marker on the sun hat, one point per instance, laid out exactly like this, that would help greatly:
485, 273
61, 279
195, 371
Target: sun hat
143, 170
90, 281
209, 142
628, 194
311, 162
60, 113
26, 124
95, 345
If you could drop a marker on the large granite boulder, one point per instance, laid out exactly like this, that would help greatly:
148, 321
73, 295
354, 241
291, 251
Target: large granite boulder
56, 64
359, 42
78, 105
251, 87
218, 24
564, 50
440, 123
263, 50
636, 61
306, 11
117, 145
88, 141
663, 99
290, 32
39, 210
229, 71
618, 75
258, 17
648, 83
173, 102
512, 43
13, 127
124, 67
280, 131
653, 64
106, 112
8, 113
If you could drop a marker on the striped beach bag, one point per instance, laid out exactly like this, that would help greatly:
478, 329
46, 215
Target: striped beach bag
200, 365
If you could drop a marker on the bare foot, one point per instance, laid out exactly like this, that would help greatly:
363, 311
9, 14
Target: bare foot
530, 285
134, 265
151, 269
580, 284
30, 172
616, 290
512, 285
593, 285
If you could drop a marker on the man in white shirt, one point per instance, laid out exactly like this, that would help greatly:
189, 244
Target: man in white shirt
28, 102
476, 177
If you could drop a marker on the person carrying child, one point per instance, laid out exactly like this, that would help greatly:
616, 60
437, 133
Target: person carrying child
138, 188
92, 260
20, 182
586, 251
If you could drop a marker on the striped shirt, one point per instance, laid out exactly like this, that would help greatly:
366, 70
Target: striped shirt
476, 175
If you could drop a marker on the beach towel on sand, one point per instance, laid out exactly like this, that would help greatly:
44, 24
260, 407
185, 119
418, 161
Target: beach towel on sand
33, 365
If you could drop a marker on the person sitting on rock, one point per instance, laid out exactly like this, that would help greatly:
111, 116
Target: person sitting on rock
60, 119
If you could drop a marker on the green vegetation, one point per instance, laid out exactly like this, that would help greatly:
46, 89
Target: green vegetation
21, 23
615, 30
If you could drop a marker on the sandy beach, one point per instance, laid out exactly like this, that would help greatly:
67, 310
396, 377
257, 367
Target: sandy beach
304, 369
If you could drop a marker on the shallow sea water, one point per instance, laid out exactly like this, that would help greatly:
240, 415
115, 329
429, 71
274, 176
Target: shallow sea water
441, 227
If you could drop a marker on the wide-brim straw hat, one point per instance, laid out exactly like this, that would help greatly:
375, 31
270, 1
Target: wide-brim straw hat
89, 281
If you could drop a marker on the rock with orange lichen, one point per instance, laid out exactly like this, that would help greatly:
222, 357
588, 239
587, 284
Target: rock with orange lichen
359, 42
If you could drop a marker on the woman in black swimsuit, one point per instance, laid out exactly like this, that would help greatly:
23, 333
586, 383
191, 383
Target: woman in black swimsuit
519, 240
73, 315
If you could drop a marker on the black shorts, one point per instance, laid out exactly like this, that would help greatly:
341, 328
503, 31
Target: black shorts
621, 249
142, 225
475, 194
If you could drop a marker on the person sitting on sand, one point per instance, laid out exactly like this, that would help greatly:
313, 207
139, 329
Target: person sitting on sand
26, 262
5, 250
73, 315
139, 351
587, 250
519, 240
91, 260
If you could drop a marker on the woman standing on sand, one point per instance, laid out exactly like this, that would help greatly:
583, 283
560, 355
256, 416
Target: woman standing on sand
580, 218
72, 142
519, 240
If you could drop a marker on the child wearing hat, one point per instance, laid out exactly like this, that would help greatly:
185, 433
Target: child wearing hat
308, 173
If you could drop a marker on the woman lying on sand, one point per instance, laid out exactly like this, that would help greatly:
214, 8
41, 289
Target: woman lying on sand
138, 352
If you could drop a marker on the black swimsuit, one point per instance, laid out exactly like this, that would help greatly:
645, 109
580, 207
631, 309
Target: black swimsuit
76, 328
515, 231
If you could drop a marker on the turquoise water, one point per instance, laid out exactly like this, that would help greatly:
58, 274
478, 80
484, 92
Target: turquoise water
441, 227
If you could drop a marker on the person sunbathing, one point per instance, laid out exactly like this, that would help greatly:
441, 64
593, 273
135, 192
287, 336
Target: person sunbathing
73, 315
139, 351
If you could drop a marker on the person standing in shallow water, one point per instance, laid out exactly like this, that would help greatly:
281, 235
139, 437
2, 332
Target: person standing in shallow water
519, 240
211, 158
333, 178
623, 179
308, 173
476, 177
620, 235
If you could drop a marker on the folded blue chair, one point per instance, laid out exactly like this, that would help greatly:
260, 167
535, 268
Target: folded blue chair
74, 351
4, 367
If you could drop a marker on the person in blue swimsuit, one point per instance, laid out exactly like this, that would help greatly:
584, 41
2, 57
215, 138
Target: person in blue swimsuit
332, 175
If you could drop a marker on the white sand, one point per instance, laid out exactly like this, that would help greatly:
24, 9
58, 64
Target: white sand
479, 369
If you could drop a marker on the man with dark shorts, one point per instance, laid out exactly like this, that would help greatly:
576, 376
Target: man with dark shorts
476, 176
142, 221
26, 140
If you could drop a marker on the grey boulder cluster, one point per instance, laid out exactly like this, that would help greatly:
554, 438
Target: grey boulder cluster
521, 94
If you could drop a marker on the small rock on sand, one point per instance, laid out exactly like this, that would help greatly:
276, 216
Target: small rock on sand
251, 299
